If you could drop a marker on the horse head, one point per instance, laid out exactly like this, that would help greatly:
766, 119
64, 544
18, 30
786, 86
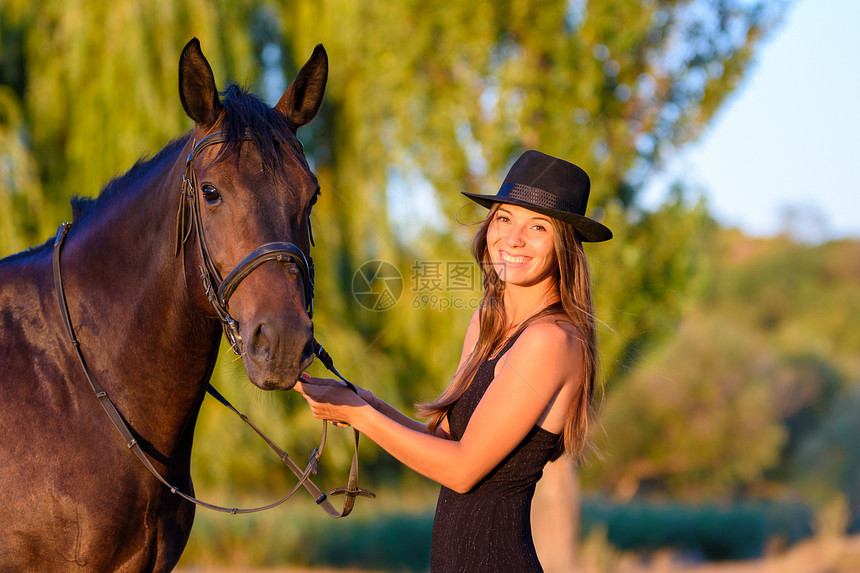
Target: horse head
247, 198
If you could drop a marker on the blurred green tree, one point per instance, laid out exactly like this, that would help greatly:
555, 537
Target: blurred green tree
755, 389
96, 85
697, 419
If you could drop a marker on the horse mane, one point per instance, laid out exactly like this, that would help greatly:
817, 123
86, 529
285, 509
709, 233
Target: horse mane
244, 116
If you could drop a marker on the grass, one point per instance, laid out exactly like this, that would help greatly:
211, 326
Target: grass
392, 534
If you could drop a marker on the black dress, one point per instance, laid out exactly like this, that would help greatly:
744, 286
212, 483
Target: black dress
488, 529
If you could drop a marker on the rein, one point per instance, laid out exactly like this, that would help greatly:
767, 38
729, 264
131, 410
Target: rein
218, 292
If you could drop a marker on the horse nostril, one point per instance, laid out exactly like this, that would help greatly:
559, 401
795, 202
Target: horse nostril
260, 345
276, 339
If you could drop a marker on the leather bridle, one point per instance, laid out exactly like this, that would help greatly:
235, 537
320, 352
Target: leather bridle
218, 292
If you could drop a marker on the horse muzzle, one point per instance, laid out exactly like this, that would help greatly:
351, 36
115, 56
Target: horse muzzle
277, 349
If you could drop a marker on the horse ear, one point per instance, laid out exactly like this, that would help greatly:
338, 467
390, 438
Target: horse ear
302, 100
197, 86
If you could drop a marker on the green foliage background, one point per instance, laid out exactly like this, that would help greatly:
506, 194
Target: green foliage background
727, 372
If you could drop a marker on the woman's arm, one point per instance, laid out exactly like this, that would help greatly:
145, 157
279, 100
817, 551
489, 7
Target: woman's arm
469, 342
393, 413
521, 394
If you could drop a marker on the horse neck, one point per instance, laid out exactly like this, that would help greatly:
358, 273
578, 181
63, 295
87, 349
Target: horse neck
140, 326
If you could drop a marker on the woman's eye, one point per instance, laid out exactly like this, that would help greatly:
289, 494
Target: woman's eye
210, 194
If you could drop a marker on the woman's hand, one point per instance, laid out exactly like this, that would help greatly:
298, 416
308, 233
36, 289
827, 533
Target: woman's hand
331, 399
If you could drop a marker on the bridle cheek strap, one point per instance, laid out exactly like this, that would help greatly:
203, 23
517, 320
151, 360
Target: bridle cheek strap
218, 292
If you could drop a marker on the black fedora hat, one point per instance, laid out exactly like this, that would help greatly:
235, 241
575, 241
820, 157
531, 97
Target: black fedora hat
550, 186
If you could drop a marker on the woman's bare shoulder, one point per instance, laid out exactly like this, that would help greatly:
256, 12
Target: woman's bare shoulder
552, 331
546, 345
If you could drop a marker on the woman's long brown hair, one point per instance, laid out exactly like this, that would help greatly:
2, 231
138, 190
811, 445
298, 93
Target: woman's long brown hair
574, 307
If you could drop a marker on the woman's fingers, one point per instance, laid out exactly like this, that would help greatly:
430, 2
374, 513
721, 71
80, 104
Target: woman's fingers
322, 402
308, 379
300, 388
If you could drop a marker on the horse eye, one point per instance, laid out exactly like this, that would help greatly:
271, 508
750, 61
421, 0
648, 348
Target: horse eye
210, 194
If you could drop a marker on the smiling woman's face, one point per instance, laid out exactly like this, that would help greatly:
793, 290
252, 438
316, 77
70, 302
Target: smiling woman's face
521, 245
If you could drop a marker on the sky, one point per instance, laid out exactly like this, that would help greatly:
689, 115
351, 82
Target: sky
788, 140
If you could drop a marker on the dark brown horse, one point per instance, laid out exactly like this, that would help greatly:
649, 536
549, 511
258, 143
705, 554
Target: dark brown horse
72, 496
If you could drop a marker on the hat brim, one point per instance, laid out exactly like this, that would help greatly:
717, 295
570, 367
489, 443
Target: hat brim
590, 230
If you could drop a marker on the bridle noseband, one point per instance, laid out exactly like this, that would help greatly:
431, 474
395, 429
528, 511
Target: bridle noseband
218, 291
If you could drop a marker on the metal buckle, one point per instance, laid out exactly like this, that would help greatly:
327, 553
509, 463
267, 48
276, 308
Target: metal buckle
231, 330
207, 283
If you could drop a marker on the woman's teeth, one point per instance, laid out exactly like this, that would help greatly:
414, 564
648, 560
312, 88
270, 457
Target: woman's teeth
515, 260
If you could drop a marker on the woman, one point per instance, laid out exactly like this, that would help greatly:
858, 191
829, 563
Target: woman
521, 393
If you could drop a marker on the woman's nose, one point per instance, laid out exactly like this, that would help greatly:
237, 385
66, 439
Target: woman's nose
515, 236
